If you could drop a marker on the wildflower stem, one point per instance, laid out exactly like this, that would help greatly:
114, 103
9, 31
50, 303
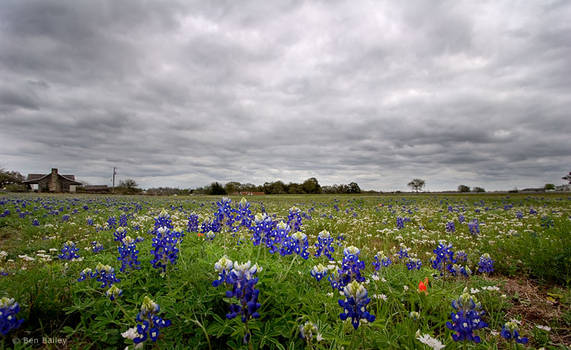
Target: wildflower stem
289, 268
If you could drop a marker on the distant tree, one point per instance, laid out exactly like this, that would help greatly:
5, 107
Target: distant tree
128, 186
567, 178
311, 185
10, 177
232, 187
478, 189
416, 184
549, 187
354, 188
463, 188
294, 188
216, 189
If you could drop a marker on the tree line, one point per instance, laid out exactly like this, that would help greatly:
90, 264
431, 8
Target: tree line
309, 186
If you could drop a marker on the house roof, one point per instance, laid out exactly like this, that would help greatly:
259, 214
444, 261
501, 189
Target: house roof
35, 178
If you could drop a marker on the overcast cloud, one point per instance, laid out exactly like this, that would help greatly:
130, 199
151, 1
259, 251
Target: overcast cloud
182, 93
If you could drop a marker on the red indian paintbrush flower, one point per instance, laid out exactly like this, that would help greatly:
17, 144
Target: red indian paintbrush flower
422, 286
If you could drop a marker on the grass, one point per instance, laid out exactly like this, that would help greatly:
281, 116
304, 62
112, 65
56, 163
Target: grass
532, 258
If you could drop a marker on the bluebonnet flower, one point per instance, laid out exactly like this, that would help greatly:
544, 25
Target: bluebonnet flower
461, 218
413, 263
294, 219
96, 247
444, 257
35, 222
149, 321
165, 247
355, 303
324, 245
450, 227
223, 267
403, 252
350, 270
381, 260
318, 272
474, 227
192, 225
120, 234
262, 231
456, 270
210, 235
309, 330
461, 256
128, 254
5, 213
123, 220
112, 223
103, 273
69, 251
510, 331
532, 211
467, 318
8, 310
519, 215
113, 292
400, 223
295, 243
163, 220
87, 272
486, 264
65, 218
244, 214
242, 282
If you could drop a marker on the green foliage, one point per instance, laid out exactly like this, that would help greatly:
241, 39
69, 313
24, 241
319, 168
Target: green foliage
463, 188
54, 304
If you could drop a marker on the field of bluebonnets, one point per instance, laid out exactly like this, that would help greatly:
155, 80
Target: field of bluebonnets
286, 272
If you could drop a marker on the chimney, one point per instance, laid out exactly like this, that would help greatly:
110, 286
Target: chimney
54, 171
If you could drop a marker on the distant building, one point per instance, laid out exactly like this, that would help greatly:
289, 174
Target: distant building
52, 182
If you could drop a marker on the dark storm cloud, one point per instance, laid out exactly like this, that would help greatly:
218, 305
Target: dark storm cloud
179, 93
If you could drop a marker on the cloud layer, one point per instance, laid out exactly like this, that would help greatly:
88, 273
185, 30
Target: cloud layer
179, 93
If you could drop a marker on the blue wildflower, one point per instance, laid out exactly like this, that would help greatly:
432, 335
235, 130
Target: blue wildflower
8, 310
466, 319
486, 264
149, 323
120, 234
324, 245
69, 251
381, 260
113, 292
242, 282
192, 225
474, 227
355, 303
128, 254
318, 272
96, 247
450, 227
413, 263
510, 331
165, 247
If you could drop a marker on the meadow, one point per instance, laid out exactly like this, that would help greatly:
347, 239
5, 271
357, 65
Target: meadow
489, 271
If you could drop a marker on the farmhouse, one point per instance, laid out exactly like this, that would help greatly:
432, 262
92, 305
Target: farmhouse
52, 182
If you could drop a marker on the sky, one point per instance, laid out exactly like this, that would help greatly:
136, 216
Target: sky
184, 93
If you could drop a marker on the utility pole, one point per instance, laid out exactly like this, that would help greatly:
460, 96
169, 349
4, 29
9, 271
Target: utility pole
114, 173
